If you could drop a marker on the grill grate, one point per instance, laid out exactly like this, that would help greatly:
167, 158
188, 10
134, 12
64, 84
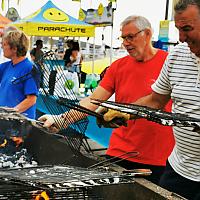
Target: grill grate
27, 194
59, 182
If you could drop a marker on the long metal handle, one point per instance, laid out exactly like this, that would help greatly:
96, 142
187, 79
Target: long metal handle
155, 115
108, 162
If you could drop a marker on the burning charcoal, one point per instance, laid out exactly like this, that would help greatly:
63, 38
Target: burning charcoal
18, 160
8, 164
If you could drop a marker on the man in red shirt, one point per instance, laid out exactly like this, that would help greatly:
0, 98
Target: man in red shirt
130, 78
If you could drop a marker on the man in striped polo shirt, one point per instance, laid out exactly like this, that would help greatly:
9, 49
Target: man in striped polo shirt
180, 80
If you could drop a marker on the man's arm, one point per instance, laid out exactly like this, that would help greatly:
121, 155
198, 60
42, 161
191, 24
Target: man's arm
29, 101
99, 93
153, 100
73, 115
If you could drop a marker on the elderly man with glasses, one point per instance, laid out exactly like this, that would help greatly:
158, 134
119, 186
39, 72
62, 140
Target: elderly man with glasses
130, 78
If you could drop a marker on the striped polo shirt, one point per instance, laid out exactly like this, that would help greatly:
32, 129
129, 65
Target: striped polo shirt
180, 77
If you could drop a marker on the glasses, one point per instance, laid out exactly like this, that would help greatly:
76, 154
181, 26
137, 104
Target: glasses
130, 37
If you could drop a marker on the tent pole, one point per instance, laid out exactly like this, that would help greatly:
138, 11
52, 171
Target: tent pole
87, 48
51, 43
93, 56
111, 45
8, 4
166, 9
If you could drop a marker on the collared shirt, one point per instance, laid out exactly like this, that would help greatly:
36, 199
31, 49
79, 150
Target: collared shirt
180, 78
13, 92
130, 80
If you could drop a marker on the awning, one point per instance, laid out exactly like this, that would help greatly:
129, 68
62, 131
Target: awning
49, 20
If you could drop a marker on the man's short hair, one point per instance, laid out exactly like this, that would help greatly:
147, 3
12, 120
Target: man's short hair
17, 39
38, 42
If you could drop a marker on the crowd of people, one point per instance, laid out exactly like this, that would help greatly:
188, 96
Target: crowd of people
147, 76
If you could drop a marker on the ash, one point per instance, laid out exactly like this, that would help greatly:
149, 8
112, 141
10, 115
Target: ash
19, 159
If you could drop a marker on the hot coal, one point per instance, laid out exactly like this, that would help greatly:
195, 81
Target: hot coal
19, 160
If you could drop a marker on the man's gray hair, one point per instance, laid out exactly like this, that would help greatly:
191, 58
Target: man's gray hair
181, 5
139, 21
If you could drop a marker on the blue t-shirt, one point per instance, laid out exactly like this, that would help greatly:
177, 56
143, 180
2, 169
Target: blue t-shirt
15, 84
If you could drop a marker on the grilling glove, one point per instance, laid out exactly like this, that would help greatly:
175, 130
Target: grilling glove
53, 122
112, 118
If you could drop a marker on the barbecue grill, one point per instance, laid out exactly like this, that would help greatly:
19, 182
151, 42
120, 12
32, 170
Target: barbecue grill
65, 169
88, 177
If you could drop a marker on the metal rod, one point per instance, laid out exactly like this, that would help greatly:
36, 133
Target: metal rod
113, 158
166, 9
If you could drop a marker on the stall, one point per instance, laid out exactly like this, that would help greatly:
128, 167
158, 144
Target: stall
51, 21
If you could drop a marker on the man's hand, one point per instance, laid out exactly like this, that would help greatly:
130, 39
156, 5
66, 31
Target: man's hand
102, 122
53, 122
111, 114
47, 119
112, 118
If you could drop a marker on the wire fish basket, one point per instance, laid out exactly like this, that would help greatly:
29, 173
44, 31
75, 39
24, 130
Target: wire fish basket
56, 90
56, 87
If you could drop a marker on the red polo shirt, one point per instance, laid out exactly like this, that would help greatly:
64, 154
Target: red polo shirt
130, 80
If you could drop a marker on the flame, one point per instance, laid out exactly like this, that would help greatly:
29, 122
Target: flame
42, 196
17, 140
4, 143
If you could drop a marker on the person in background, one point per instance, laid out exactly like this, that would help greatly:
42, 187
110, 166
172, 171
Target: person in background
17, 92
179, 80
75, 59
36, 56
73, 63
130, 78
37, 53
68, 52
